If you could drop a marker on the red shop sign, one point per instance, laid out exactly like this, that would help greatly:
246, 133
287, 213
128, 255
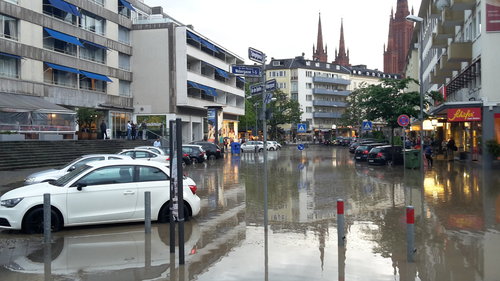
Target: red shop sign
464, 114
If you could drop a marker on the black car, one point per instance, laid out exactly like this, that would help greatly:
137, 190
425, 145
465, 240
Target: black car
195, 151
185, 156
361, 152
212, 150
386, 154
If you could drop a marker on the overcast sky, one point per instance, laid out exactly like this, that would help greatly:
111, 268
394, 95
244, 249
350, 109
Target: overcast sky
285, 29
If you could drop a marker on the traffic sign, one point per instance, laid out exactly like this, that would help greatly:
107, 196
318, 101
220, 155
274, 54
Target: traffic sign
367, 125
301, 128
270, 85
256, 89
300, 147
268, 98
246, 70
256, 55
403, 120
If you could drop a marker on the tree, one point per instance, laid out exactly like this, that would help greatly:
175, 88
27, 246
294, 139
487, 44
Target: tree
284, 111
85, 117
354, 113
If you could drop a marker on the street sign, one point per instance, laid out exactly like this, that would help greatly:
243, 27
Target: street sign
246, 70
268, 98
270, 85
301, 128
403, 120
256, 55
367, 125
256, 89
300, 147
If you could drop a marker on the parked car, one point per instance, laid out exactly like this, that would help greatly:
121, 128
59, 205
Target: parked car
195, 152
271, 146
99, 192
252, 146
54, 174
186, 159
277, 144
156, 149
361, 152
212, 150
386, 154
146, 154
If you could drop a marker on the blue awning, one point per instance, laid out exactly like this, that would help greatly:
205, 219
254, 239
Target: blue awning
10, 55
193, 84
63, 68
65, 6
127, 4
194, 36
208, 90
209, 45
222, 73
64, 37
95, 45
96, 76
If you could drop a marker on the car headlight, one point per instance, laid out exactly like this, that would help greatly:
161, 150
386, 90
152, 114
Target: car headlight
9, 203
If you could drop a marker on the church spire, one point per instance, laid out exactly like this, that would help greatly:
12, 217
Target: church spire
341, 57
320, 54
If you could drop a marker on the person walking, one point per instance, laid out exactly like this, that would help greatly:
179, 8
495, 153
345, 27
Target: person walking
103, 130
450, 149
129, 130
428, 155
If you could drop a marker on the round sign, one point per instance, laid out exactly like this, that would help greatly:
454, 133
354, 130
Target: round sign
403, 120
300, 147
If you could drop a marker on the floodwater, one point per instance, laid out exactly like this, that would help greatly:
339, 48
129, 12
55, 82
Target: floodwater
457, 226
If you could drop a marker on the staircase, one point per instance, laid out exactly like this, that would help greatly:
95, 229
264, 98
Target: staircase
31, 154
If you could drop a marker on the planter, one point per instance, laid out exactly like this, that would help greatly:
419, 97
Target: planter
83, 135
11, 137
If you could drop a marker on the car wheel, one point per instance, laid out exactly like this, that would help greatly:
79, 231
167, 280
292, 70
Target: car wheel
261, 149
194, 160
389, 162
164, 215
271, 149
33, 221
211, 157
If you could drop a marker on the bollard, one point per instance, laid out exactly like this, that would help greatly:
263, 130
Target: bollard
410, 233
47, 261
46, 219
340, 222
147, 211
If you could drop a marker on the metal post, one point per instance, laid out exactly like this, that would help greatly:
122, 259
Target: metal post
180, 188
147, 212
172, 189
421, 78
47, 235
340, 222
47, 261
410, 233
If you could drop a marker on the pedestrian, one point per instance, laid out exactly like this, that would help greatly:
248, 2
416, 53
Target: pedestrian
157, 143
103, 130
428, 155
129, 130
450, 149
144, 128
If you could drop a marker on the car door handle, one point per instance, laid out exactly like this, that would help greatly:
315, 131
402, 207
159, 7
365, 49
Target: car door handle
128, 192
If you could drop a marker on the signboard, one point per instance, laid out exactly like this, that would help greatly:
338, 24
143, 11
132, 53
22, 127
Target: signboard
256, 55
301, 128
268, 98
367, 126
212, 123
403, 120
492, 16
300, 147
246, 70
464, 114
257, 88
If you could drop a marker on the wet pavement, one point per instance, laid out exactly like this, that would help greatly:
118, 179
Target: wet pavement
457, 226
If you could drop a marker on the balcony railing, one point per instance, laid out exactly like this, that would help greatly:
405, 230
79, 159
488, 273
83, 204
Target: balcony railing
326, 115
460, 52
328, 80
451, 18
329, 103
323, 91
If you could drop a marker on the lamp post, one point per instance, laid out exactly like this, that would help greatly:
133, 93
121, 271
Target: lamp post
256, 119
419, 20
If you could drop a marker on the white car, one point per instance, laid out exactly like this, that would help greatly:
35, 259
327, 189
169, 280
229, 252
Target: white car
272, 146
252, 146
100, 192
276, 144
54, 174
155, 149
146, 154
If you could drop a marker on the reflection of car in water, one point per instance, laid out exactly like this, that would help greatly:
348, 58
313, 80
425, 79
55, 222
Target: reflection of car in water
120, 251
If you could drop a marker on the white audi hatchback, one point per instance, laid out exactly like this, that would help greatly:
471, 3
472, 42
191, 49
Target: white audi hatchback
101, 192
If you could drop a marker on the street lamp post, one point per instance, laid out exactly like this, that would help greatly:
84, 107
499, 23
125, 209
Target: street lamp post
420, 21
256, 119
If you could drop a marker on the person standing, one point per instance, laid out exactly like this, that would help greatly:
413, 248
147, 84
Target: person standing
144, 128
103, 130
129, 130
451, 147
134, 130
157, 143
428, 155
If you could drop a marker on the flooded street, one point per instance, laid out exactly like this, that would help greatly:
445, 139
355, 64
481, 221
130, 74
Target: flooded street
457, 226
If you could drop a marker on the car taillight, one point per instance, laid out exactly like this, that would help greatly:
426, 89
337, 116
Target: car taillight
218, 150
365, 151
186, 155
380, 155
193, 188
168, 158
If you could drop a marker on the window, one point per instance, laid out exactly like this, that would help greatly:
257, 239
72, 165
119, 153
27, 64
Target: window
8, 27
309, 97
93, 53
144, 154
87, 160
282, 85
92, 23
52, 11
123, 35
98, 2
9, 66
124, 61
294, 96
151, 174
294, 87
91, 84
309, 74
108, 175
60, 77
309, 109
124, 88
308, 85
122, 10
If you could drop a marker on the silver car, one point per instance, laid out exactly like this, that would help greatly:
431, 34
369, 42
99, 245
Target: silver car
252, 146
54, 174
146, 154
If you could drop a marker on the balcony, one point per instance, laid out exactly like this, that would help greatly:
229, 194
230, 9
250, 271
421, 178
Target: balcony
435, 78
326, 115
434, 12
329, 103
328, 80
451, 18
460, 52
444, 32
445, 64
323, 91
462, 5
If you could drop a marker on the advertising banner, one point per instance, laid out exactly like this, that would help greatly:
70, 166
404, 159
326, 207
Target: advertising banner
492, 15
464, 114
212, 123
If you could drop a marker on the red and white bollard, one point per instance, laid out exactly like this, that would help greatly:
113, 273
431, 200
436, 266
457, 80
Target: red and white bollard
410, 232
340, 222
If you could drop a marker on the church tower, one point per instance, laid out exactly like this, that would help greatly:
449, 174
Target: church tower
398, 43
341, 57
320, 54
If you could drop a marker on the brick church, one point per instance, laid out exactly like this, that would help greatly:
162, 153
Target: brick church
321, 54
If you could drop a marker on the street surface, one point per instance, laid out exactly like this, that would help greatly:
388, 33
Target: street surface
457, 226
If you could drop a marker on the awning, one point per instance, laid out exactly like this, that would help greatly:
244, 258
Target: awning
65, 6
22, 103
209, 45
64, 37
96, 76
127, 4
63, 68
193, 36
222, 73
94, 44
10, 55
208, 90
442, 109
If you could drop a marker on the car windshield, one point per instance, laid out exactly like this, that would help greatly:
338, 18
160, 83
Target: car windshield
69, 176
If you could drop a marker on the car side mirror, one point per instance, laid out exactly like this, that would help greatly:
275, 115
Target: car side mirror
80, 186
71, 168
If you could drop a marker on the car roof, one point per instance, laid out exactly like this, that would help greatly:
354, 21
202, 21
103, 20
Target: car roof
99, 164
138, 149
102, 154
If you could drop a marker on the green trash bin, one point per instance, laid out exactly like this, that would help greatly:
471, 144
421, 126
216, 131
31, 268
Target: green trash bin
412, 159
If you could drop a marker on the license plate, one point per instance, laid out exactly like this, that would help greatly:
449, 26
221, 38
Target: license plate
371, 160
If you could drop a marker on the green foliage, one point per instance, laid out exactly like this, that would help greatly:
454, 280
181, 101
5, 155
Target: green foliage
284, 111
396, 140
354, 113
86, 116
493, 148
